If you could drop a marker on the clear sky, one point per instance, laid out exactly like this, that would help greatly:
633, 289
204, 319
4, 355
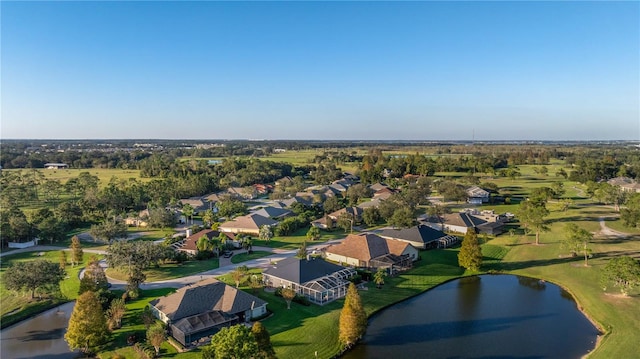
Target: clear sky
311, 70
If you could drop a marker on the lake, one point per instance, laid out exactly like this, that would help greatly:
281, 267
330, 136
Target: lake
39, 337
488, 316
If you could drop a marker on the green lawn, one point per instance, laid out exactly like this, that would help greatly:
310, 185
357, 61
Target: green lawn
298, 237
16, 306
243, 257
170, 270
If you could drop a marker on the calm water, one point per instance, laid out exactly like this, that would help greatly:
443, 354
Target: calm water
39, 337
489, 316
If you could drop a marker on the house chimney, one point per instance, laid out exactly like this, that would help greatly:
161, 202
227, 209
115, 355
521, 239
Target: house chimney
188, 233
308, 257
253, 304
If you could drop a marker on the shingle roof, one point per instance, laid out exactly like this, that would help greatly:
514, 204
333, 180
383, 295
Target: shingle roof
205, 296
419, 234
367, 246
463, 220
250, 221
191, 241
301, 270
272, 212
476, 191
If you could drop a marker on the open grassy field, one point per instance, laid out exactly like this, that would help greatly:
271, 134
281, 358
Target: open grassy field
104, 174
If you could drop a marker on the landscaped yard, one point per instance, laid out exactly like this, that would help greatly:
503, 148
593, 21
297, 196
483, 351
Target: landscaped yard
243, 257
170, 270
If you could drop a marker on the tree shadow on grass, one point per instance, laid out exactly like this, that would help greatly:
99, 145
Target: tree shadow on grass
511, 266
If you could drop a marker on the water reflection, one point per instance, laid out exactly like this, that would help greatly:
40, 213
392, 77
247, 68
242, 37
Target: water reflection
490, 316
39, 337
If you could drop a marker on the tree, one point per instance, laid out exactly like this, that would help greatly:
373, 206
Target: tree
288, 294
630, 215
265, 233
87, 328
533, 216
203, 244
63, 260
623, 272
313, 233
238, 275
76, 251
108, 231
51, 229
558, 189
577, 240
94, 278
115, 313
302, 251
331, 204
353, 319
371, 216
146, 316
134, 257
470, 255
378, 277
263, 339
254, 283
156, 335
233, 342
188, 211
208, 218
345, 221
32, 275
402, 218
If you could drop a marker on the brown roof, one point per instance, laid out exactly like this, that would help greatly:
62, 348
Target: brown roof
192, 240
205, 296
367, 246
250, 221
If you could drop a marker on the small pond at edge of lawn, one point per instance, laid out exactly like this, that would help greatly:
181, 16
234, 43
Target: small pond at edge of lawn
487, 316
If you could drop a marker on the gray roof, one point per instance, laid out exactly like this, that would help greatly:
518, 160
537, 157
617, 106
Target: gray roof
419, 234
205, 296
302, 271
272, 212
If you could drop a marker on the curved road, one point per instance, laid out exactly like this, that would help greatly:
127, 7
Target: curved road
225, 264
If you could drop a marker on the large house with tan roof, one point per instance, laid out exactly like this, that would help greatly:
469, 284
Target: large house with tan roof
368, 250
249, 224
202, 309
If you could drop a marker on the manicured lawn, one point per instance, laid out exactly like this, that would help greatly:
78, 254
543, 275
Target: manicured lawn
170, 270
618, 225
298, 237
243, 257
132, 325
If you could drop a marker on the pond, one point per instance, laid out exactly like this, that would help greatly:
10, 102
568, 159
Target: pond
39, 337
488, 316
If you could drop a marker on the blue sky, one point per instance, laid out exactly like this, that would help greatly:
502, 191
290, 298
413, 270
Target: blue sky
308, 70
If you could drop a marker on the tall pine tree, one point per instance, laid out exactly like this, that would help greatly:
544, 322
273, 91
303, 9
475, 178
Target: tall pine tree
265, 348
470, 256
353, 319
76, 251
88, 325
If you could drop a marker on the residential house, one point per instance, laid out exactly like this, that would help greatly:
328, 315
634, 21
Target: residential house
202, 309
243, 193
198, 203
141, 220
368, 250
383, 194
460, 222
318, 280
420, 236
476, 195
190, 244
273, 212
354, 212
625, 183
249, 224
378, 186
56, 166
